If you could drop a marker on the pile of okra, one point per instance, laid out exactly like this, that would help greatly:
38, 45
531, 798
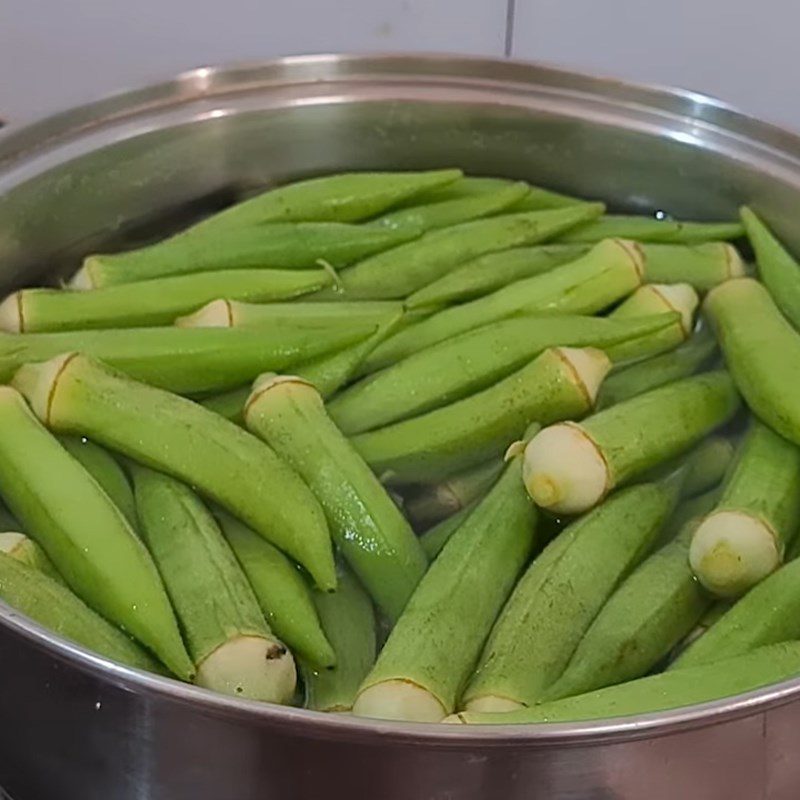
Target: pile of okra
416, 446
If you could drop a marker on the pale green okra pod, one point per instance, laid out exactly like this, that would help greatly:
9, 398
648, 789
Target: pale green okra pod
648, 229
436, 538
703, 266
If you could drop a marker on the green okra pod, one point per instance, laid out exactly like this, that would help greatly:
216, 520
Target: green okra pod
560, 594
649, 229
430, 653
289, 245
606, 274
465, 364
83, 533
349, 622
761, 350
493, 271
703, 266
536, 199
156, 302
398, 272
369, 529
658, 370
282, 593
438, 536
76, 394
23, 549
50, 603
571, 467
743, 539
706, 465
560, 383
226, 634
673, 689
105, 469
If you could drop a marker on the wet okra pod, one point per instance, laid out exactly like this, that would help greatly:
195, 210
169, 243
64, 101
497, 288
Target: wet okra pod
703, 266
761, 350
290, 245
436, 538
433, 647
744, 537
667, 690
50, 603
76, 394
560, 383
232, 647
398, 272
777, 268
571, 467
86, 536
349, 622
371, 533
493, 271
281, 591
649, 229
465, 364
23, 549
105, 469
658, 370
560, 594
156, 302
606, 274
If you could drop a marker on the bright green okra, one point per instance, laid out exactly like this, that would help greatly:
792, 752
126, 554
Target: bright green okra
232, 647
561, 383
76, 394
761, 350
560, 594
371, 533
438, 536
571, 467
23, 549
668, 690
51, 604
398, 272
430, 653
282, 593
156, 302
649, 229
702, 266
85, 535
743, 540
536, 199
606, 274
349, 622
465, 364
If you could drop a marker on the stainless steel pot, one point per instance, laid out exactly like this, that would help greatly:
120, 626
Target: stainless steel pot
75, 726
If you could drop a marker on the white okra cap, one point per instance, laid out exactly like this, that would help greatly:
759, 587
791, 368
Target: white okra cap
588, 367
399, 700
216, 314
82, 279
250, 666
11, 313
680, 297
11, 540
732, 551
734, 260
270, 380
38, 382
564, 470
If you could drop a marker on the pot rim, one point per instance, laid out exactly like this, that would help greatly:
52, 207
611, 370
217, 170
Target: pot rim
781, 146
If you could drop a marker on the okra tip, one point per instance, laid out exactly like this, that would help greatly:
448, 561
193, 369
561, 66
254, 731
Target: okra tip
400, 700
564, 470
255, 667
732, 551
216, 314
37, 382
11, 313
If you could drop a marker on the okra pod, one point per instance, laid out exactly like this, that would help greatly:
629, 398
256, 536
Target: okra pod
83, 533
283, 595
536, 199
398, 272
435, 643
289, 245
438, 536
571, 467
606, 274
232, 647
103, 467
658, 370
560, 594
493, 271
777, 268
465, 364
703, 266
349, 622
372, 534
650, 229
50, 603
23, 549
744, 538
706, 465
560, 383
75, 394
156, 302
761, 350
674, 689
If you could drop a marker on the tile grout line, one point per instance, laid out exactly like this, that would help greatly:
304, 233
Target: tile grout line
511, 7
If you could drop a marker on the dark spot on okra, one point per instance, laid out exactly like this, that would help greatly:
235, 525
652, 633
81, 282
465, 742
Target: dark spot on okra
274, 651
